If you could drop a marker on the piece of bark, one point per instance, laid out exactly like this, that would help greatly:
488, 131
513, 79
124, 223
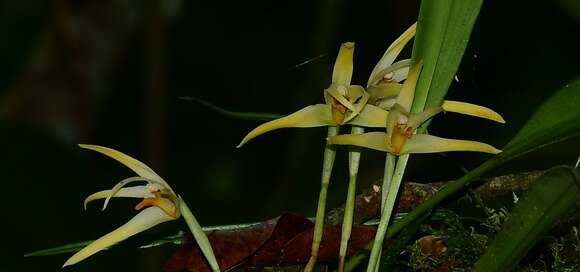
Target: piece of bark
412, 194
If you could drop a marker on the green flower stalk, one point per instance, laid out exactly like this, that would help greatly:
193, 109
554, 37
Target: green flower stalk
401, 139
345, 104
160, 204
383, 85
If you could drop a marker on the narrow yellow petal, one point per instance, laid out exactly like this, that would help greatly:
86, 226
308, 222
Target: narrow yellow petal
407, 94
311, 116
133, 192
394, 73
423, 143
416, 119
113, 192
473, 110
144, 220
370, 116
393, 51
138, 167
372, 140
343, 66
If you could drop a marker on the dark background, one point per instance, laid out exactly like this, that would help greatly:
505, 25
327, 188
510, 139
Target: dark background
111, 72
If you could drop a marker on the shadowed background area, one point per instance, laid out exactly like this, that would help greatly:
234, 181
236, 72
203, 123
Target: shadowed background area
110, 73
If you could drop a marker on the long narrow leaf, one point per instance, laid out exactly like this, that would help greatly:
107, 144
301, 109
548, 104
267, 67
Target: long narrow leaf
555, 194
443, 32
251, 116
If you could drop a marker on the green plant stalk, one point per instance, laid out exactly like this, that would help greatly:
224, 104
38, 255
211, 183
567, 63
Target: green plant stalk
328, 163
250, 116
447, 191
354, 161
198, 235
387, 212
390, 161
354, 261
380, 255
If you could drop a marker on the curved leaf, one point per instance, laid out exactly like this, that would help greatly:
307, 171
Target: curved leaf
257, 116
551, 197
556, 120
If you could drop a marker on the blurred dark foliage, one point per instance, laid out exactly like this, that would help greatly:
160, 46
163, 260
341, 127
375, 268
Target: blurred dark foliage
110, 73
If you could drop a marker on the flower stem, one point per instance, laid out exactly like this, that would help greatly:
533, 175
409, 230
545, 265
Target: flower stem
198, 235
387, 212
390, 161
354, 161
328, 162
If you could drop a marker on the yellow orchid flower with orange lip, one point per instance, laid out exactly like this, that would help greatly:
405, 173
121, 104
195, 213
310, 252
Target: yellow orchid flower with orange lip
160, 204
383, 85
400, 137
345, 103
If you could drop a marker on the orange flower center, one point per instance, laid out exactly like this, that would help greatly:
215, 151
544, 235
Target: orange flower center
163, 203
400, 135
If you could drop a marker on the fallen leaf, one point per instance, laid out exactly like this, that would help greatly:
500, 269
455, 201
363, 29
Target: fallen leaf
282, 241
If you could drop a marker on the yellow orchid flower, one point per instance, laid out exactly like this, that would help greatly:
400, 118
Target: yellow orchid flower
345, 103
400, 137
160, 204
383, 86
384, 82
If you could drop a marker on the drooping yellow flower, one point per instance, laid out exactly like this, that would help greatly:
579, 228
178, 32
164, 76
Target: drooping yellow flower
160, 204
400, 137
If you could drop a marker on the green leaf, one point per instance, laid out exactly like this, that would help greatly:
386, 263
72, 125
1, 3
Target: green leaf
171, 239
551, 197
73, 247
252, 116
443, 32
556, 120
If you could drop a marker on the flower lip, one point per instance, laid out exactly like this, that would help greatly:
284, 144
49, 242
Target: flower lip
161, 203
